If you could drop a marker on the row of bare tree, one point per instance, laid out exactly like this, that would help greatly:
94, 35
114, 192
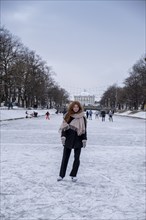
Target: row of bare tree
133, 94
25, 78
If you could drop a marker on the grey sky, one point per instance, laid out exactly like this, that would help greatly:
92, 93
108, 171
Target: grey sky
89, 44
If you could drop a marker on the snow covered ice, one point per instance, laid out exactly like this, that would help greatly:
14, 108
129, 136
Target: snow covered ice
111, 177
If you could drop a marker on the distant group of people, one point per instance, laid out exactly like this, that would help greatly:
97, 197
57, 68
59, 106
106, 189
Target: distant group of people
89, 114
110, 114
33, 114
101, 114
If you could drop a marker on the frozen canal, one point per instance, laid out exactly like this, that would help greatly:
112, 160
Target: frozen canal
111, 178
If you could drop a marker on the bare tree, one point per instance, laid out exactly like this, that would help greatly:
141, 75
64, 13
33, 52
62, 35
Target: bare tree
136, 85
133, 94
25, 78
10, 47
109, 98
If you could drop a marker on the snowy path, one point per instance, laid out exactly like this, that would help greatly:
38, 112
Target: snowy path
111, 178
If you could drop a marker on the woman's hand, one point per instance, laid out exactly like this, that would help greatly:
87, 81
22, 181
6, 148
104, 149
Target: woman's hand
63, 140
84, 143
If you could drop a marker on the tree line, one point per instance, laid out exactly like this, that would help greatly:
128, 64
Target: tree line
132, 95
25, 78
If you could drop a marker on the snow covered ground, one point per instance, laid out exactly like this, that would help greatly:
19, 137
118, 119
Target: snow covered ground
111, 177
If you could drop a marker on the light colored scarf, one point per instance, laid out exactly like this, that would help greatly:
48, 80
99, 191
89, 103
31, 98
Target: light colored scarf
77, 124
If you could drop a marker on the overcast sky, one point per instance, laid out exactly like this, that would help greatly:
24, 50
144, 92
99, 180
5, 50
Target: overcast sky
89, 44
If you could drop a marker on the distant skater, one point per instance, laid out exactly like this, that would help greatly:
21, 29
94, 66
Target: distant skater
110, 115
90, 114
87, 114
96, 114
47, 115
26, 113
73, 136
103, 113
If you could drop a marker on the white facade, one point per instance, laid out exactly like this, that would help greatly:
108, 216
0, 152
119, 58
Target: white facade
85, 98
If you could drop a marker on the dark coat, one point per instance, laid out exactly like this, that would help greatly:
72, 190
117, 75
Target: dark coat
72, 138
103, 113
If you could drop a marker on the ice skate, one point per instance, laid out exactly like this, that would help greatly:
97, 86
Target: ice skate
59, 178
74, 179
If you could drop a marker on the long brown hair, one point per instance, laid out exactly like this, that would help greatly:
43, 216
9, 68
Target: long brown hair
71, 111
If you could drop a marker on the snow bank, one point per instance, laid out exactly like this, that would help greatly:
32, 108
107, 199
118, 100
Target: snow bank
140, 114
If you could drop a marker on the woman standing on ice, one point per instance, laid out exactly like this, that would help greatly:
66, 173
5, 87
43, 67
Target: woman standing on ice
73, 136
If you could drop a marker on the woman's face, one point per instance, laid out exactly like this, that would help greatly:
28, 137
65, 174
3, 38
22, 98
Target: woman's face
75, 108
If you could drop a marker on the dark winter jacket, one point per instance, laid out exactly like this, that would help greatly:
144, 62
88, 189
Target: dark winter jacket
103, 113
72, 138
